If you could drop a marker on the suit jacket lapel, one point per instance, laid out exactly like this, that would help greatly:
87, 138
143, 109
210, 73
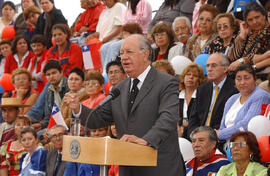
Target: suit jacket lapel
221, 94
125, 97
146, 87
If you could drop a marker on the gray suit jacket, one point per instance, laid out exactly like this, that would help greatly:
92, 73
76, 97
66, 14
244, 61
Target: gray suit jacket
51, 162
153, 117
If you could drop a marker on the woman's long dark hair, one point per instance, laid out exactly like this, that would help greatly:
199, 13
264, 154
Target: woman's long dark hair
133, 5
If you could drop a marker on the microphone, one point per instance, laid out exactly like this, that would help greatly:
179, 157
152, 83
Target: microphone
111, 96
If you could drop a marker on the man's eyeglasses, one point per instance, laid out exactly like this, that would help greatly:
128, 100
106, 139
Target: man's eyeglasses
57, 135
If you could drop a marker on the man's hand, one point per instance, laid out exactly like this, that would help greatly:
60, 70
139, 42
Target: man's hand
133, 139
37, 126
72, 101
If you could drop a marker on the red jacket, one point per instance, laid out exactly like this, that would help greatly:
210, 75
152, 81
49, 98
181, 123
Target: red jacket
90, 18
11, 64
39, 68
70, 58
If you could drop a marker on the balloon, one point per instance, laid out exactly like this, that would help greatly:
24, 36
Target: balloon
186, 149
179, 63
53, 41
260, 126
228, 154
1, 89
107, 87
8, 32
201, 60
6, 83
264, 145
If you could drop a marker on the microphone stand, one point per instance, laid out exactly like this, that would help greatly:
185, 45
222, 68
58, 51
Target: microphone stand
103, 168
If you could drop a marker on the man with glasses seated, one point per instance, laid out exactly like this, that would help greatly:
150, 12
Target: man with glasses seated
54, 164
212, 95
115, 72
207, 158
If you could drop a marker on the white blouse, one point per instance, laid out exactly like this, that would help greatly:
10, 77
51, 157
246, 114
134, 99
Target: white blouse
232, 113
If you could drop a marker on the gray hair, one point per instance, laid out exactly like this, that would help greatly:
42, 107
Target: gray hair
181, 18
224, 59
54, 127
144, 44
211, 132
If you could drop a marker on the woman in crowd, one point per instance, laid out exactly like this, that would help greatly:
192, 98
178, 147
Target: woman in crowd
164, 66
21, 78
243, 48
198, 43
48, 19
75, 84
21, 54
13, 151
94, 83
246, 157
20, 24
31, 15
5, 49
225, 25
191, 77
139, 11
8, 15
163, 36
110, 22
110, 50
242, 107
34, 161
67, 53
39, 46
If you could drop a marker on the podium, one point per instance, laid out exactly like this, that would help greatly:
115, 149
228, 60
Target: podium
107, 151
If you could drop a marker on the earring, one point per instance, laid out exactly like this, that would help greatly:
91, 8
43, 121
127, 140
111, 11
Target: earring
251, 156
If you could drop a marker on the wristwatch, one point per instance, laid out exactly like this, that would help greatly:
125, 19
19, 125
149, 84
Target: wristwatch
254, 66
241, 60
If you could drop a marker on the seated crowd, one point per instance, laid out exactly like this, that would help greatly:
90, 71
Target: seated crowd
219, 95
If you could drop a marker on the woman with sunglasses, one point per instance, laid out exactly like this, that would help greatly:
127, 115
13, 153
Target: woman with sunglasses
245, 153
225, 26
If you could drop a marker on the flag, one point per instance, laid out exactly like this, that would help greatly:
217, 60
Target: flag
56, 118
91, 57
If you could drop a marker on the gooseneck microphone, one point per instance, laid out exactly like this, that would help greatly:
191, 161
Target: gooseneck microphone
111, 95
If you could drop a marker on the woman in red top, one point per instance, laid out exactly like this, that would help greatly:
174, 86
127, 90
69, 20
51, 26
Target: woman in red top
94, 84
39, 45
21, 78
20, 56
67, 53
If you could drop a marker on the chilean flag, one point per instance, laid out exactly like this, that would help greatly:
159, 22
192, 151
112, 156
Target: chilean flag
56, 118
91, 57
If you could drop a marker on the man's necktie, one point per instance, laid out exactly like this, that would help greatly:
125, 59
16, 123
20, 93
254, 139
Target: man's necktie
59, 160
213, 104
133, 94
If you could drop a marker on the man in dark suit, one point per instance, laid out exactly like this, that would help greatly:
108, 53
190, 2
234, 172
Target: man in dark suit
54, 164
153, 115
211, 96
